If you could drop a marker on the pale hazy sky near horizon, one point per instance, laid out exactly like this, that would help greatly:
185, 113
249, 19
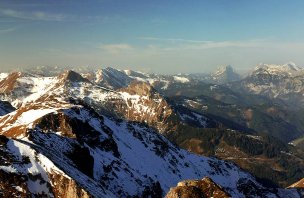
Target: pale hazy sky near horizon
169, 36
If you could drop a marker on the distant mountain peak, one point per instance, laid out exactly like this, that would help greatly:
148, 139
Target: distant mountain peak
289, 68
293, 66
72, 76
225, 74
135, 73
112, 78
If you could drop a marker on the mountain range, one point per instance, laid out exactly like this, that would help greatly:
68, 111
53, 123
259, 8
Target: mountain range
123, 133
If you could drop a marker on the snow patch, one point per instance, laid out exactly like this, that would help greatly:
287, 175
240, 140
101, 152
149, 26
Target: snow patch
181, 79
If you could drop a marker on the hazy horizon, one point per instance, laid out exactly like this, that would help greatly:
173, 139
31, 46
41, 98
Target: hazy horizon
151, 36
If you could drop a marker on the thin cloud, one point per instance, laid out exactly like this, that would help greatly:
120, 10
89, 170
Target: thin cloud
115, 48
220, 44
35, 15
179, 43
8, 30
172, 40
12, 14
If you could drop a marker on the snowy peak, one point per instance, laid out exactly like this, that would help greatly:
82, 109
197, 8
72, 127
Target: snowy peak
293, 66
225, 74
111, 78
135, 74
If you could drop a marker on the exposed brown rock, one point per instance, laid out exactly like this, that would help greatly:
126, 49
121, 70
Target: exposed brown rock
197, 189
13, 185
65, 187
140, 88
298, 184
9, 83
56, 122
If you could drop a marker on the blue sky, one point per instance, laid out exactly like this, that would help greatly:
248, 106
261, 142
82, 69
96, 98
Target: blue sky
169, 36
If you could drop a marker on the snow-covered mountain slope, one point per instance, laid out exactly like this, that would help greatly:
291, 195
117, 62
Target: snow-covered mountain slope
157, 80
26, 173
109, 77
116, 79
18, 88
3, 75
107, 157
137, 102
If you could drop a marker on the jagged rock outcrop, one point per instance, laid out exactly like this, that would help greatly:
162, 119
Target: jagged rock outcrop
298, 184
197, 189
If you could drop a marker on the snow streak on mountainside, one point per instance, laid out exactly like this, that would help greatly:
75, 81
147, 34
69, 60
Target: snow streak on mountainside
65, 132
